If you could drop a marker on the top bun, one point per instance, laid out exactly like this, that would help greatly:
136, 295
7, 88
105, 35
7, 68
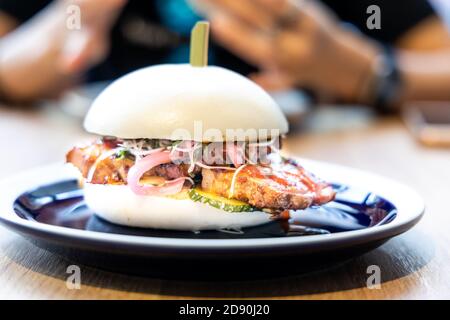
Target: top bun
166, 101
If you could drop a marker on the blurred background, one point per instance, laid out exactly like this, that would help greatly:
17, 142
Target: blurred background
359, 80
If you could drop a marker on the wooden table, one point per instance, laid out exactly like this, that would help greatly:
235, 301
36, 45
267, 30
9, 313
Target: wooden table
414, 265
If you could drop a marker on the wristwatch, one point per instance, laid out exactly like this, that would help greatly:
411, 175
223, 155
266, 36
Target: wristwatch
387, 84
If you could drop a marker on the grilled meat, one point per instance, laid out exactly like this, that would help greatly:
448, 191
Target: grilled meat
282, 187
114, 169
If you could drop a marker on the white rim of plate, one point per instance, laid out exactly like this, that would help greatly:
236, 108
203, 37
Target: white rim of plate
410, 208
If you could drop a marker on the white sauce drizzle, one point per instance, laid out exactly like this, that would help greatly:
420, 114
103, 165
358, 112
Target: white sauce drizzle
102, 157
204, 166
233, 181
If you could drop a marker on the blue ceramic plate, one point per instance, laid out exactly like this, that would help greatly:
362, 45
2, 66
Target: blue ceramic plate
46, 206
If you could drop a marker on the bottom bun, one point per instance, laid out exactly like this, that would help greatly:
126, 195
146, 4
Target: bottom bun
119, 205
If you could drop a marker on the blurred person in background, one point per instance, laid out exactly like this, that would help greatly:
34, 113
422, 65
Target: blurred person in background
309, 44
41, 58
324, 46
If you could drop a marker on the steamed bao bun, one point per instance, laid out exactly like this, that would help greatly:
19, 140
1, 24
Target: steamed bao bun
169, 102
157, 101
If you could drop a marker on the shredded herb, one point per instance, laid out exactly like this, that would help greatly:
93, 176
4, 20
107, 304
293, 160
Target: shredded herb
122, 154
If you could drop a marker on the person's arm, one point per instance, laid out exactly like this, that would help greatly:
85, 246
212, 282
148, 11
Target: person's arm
431, 34
426, 76
424, 61
7, 24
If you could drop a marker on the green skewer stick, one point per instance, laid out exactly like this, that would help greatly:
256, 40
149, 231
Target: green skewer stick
199, 44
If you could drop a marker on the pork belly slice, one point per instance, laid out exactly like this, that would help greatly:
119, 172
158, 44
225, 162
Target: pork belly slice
279, 187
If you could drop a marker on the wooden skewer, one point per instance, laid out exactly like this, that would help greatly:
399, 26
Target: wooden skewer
199, 44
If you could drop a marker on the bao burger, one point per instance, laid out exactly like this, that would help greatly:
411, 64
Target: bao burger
150, 168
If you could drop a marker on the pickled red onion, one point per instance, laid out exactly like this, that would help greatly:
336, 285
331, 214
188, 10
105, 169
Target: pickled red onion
145, 164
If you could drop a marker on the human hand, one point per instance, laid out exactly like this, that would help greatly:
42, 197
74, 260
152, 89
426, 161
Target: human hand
293, 43
44, 57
